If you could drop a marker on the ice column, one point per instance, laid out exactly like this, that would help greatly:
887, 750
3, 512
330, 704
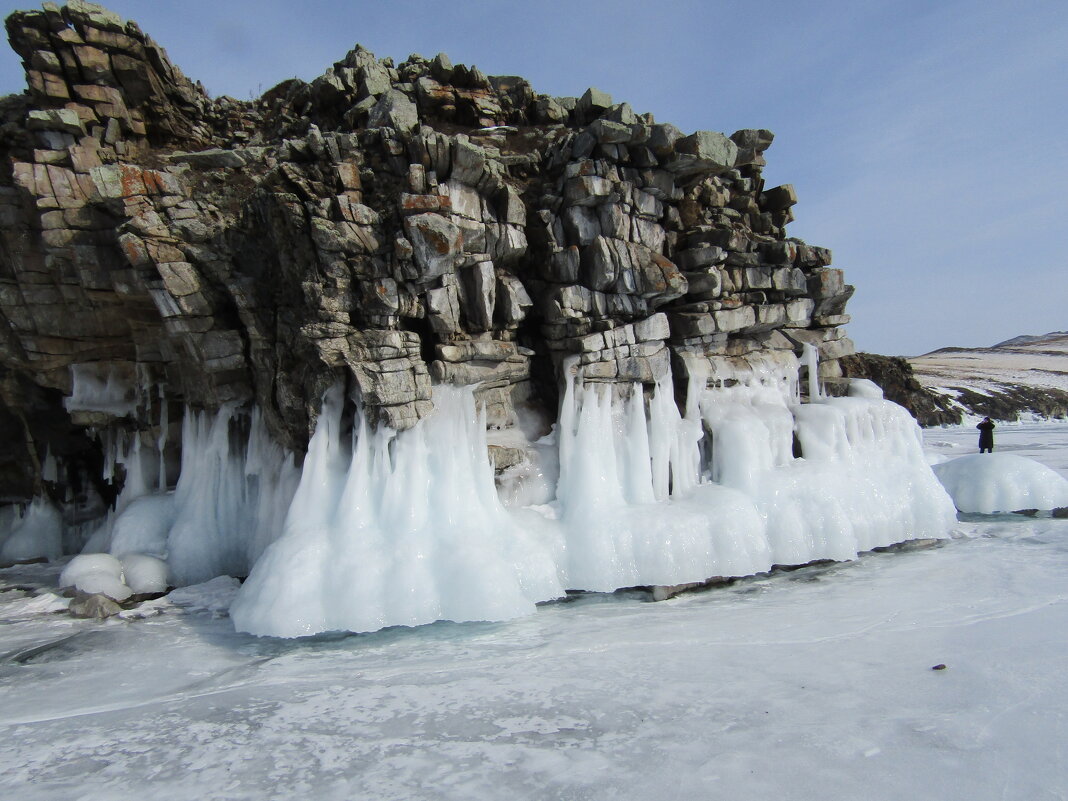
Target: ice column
812, 362
230, 498
397, 529
629, 504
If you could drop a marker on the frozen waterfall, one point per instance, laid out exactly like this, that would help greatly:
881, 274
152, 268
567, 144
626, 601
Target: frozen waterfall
407, 528
232, 496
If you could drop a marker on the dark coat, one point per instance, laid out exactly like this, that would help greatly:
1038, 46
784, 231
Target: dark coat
986, 434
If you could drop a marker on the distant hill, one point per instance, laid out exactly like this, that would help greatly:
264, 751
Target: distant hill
1022, 377
1026, 375
1028, 339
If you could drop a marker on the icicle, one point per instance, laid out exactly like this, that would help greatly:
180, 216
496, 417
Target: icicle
161, 440
640, 479
109, 446
49, 469
811, 358
134, 485
230, 500
100, 387
565, 426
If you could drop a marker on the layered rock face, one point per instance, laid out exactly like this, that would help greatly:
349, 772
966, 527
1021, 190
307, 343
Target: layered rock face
394, 226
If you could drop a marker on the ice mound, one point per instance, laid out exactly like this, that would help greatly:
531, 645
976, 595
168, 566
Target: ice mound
863, 388
861, 481
144, 574
105, 574
1001, 482
96, 573
35, 533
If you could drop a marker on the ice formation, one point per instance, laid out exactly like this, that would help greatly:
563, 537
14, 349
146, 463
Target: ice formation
381, 528
396, 529
230, 500
402, 529
35, 532
100, 387
1001, 482
96, 573
116, 578
143, 526
232, 494
144, 574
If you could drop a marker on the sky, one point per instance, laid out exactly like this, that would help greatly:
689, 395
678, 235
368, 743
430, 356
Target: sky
926, 140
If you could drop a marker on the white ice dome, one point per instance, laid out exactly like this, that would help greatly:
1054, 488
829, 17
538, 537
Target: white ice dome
1001, 482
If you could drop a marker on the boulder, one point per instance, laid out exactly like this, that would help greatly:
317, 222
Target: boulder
593, 103
704, 152
779, 198
394, 110
95, 606
436, 242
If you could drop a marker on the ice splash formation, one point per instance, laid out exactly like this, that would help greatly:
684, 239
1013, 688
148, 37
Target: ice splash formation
397, 529
233, 491
403, 529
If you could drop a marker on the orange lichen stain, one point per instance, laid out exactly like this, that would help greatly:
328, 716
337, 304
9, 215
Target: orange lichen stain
135, 251
132, 181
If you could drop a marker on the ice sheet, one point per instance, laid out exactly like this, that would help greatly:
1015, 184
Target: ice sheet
815, 683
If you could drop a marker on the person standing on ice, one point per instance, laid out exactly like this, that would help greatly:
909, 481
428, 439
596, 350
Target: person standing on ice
986, 435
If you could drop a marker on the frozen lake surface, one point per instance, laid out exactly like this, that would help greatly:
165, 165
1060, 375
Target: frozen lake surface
816, 683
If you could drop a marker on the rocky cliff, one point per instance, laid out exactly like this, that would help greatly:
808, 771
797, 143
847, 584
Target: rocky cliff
395, 225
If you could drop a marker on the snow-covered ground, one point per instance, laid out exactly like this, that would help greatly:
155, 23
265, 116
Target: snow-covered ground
1040, 361
816, 683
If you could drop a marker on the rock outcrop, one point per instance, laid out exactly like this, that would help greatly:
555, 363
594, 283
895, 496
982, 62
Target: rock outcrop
397, 225
895, 376
1024, 377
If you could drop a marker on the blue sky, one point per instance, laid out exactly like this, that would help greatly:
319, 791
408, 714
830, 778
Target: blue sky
927, 140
